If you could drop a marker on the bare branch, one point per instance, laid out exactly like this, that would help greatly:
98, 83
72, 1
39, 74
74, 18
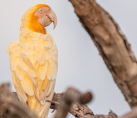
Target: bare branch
112, 45
71, 96
76, 109
11, 107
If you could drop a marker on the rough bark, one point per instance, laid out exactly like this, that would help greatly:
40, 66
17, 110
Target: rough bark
72, 101
112, 45
132, 114
11, 107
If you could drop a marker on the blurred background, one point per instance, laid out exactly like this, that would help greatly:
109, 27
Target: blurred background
80, 64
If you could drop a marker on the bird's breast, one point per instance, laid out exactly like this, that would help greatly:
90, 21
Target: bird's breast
36, 47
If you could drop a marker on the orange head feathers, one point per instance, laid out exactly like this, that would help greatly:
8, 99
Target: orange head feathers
38, 17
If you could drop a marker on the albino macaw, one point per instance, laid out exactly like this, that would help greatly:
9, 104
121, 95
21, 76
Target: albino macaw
34, 60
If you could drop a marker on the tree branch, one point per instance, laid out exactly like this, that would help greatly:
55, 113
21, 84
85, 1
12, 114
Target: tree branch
11, 107
71, 101
112, 45
78, 110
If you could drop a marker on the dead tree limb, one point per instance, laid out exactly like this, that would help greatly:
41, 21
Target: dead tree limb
77, 110
112, 45
71, 97
11, 107
80, 111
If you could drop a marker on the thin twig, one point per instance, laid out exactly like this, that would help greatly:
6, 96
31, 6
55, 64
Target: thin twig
53, 102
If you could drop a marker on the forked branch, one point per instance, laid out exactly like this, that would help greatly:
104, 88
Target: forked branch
70, 101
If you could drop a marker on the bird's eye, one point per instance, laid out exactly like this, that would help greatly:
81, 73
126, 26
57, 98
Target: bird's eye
41, 10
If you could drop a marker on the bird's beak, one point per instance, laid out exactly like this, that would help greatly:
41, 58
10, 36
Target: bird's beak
50, 17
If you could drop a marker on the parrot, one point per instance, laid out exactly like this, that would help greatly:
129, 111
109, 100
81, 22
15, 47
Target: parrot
34, 60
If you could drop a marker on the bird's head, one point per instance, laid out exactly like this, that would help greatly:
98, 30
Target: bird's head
38, 17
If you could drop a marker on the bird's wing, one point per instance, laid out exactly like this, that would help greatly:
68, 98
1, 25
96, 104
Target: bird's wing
46, 71
34, 74
23, 74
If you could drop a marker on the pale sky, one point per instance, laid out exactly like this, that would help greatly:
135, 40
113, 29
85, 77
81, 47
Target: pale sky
80, 64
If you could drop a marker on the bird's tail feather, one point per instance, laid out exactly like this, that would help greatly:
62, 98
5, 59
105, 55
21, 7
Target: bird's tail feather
43, 111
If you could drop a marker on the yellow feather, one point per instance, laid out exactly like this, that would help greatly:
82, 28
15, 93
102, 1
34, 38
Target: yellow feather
27, 61
32, 101
20, 92
14, 63
44, 85
22, 65
54, 72
11, 57
43, 58
27, 86
38, 88
32, 73
33, 59
42, 71
39, 56
27, 68
19, 73
49, 72
14, 79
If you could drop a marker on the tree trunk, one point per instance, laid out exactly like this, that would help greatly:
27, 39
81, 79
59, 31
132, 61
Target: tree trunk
112, 45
